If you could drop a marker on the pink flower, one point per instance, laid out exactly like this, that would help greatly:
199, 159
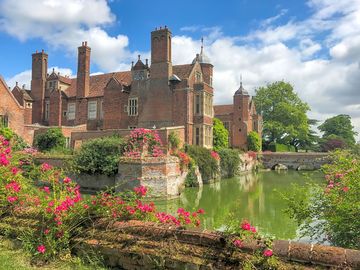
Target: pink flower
86, 206
253, 229
46, 231
47, 190
246, 226
41, 249
140, 190
45, 167
13, 186
237, 243
200, 211
215, 155
67, 180
14, 170
345, 189
12, 199
268, 253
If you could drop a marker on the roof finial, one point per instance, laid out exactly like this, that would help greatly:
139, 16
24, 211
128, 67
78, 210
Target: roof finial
202, 45
240, 79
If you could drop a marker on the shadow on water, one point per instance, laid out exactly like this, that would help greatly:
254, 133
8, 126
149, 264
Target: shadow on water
250, 197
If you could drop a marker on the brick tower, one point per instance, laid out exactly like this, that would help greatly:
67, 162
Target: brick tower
38, 84
241, 118
83, 83
157, 101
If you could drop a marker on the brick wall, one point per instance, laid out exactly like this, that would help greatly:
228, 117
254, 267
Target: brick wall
14, 111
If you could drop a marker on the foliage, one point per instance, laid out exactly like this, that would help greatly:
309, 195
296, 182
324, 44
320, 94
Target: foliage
51, 139
220, 135
331, 143
17, 142
254, 141
278, 147
6, 132
174, 140
339, 126
99, 156
191, 178
331, 209
59, 210
143, 142
284, 114
229, 162
208, 165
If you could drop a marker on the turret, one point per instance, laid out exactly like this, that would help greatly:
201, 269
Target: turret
38, 83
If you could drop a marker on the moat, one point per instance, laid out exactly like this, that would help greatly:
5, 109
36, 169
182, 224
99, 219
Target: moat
253, 196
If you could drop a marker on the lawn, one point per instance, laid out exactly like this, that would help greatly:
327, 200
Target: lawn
14, 258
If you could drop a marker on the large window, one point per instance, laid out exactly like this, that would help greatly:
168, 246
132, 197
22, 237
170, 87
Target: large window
197, 104
208, 135
71, 111
92, 109
133, 106
47, 109
4, 121
208, 104
102, 109
197, 136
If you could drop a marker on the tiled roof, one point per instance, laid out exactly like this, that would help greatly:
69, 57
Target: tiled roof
27, 94
182, 71
64, 79
98, 83
223, 109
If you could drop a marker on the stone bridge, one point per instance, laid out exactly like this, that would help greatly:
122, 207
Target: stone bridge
295, 161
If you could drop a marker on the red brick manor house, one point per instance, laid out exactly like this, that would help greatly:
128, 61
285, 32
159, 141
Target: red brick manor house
151, 95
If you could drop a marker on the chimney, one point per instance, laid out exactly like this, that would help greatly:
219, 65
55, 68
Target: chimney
83, 71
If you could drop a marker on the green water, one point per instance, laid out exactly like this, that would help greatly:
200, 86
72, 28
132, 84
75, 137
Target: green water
252, 197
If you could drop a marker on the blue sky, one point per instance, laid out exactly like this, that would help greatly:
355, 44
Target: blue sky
313, 44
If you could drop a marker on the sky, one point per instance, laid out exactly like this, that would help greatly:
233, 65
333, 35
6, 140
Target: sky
312, 44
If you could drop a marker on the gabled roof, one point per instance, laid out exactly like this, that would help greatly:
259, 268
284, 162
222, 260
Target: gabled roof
223, 109
25, 92
99, 82
57, 76
183, 71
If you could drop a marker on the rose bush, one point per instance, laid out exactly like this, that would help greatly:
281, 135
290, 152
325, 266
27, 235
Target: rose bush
143, 142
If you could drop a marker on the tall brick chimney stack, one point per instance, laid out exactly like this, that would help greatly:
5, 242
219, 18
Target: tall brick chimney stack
83, 71
38, 84
161, 53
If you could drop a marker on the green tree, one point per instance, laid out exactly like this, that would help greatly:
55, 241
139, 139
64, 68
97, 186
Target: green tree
284, 114
330, 209
254, 141
220, 135
340, 126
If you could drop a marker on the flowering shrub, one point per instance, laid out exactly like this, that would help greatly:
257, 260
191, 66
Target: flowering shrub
128, 205
331, 209
143, 142
244, 233
184, 160
208, 166
215, 155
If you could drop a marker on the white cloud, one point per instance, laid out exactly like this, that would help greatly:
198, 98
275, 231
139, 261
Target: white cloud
319, 55
64, 24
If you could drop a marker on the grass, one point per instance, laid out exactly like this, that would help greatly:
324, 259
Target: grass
14, 258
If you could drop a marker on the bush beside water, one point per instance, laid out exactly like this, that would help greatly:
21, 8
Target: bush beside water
99, 156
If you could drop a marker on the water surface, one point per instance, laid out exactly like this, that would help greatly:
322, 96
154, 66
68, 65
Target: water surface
254, 197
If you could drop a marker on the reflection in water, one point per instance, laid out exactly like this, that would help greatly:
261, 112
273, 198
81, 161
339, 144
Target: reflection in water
250, 196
